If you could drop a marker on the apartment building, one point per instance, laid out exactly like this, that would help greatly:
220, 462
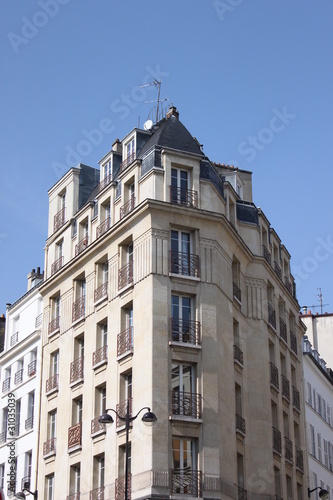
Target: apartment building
166, 287
20, 364
319, 330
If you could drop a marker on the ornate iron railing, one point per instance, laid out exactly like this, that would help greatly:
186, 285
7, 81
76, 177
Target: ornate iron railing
101, 292
14, 339
236, 292
3, 436
278, 270
285, 388
52, 383
120, 487
97, 427
32, 367
274, 376
122, 410
288, 285
242, 494
18, 377
125, 341
277, 443
73, 496
124, 164
57, 264
185, 330
82, 245
6, 385
125, 275
293, 342
288, 450
299, 459
296, 399
107, 179
49, 446
240, 424
78, 309
238, 355
76, 370
103, 227
266, 254
186, 481
29, 423
184, 263
185, 404
75, 435
25, 483
97, 494
283, 330
271, 315
181, 196
127, 207
59, 220
54, 325
100, 355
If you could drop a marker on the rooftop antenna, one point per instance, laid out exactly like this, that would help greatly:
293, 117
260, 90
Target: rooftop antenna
156, 83
320, 295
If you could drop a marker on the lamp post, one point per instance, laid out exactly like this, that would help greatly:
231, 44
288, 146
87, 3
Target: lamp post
21, 495
149, 418
324, 494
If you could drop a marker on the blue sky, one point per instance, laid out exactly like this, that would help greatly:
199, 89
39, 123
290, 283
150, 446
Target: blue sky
252, 80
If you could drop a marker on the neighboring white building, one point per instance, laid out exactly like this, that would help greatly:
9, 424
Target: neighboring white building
319, 416
20, 364
320, 333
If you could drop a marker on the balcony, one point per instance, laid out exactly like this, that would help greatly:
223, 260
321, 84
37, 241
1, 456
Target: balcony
186, 331
127, 208
14, 430
184, 264
120, 488
266, 254
97, 494
240, 424
186, 482
14, 339
236, 292
271, 315
18, 378
283, 330
6, 385
59, 220
97, 427
3, 436
293, 342
100, 356
75, 436
126, 163
274, 380
288, 450
76, 371
296, 399
26, 483
52, 384
238, 355
103, 227
82, 245
125, 342
57, 264
122, 410
29, 423
278, 270
101, 292
73, 496
32, 368
107, 180
49, 447
299, 459
242, 494
277, 443
125, 275
285, 388
288, 285
78, 309
185, 404
54, 326
181, 196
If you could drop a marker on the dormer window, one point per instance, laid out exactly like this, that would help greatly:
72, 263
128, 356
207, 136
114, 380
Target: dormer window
107, 170
128, 153
130, 149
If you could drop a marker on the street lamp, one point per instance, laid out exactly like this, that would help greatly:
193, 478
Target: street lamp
324, 494
149, 418
21, 495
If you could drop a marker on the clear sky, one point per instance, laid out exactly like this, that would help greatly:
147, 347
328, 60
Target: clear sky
252, 80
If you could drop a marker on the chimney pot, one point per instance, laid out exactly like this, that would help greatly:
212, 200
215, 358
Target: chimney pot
172, 112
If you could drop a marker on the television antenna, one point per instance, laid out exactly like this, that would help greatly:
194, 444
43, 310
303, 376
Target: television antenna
156, 83
320, 295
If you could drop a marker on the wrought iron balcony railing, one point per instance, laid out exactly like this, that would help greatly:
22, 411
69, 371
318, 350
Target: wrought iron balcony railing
32, 368
285, 388
288, 450
122, 410
186, 482
82, 245
278, 270
120, 488
54, 325
283, 330
52, 384
78, 309
266, 254
57, 264
76, 370
126, 163
97, 494
277, 443
185, 330
127, 207
185, 404
181, 196
296, 399
271, 315
238, 355
274, 376
97, 427
242, 494
100, 356
6, 385
39, 320
3, 436
101, 292
103, 227
299, 459
293, 342
18, 377
240, 424
125, 275
288, 285
185, 264
14, 339
59, 220
107, 179
237, 292
29, 423
125, 341
73, 496
75, 435
49, 446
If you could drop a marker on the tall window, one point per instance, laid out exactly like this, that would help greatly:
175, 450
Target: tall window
180, 252
2, 475
107, 170
183, 388
54, 364
49, 487
99, 472
179, 186
52, 422
180, 317
130, 148
27, 467
74, 479
100, 400
184, 463
77, 410
31, 409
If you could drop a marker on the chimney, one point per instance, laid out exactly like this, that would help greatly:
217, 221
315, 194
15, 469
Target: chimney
304, 310
172, 112
34, 278
116, 146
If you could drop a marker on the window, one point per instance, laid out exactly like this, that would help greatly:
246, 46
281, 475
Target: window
181, 318
130, 148
179, 186
320, 458
49, 487
52, 421
54, 364
236, 279
74, 479
240, 470
312, 446
77, 410
99, 472
182, 261
2, 475
125, 276
184, 466
309, 394
29, 423
79, 304
100, 400
27, 468
77, 366
183, 383
102, 277
107, 170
